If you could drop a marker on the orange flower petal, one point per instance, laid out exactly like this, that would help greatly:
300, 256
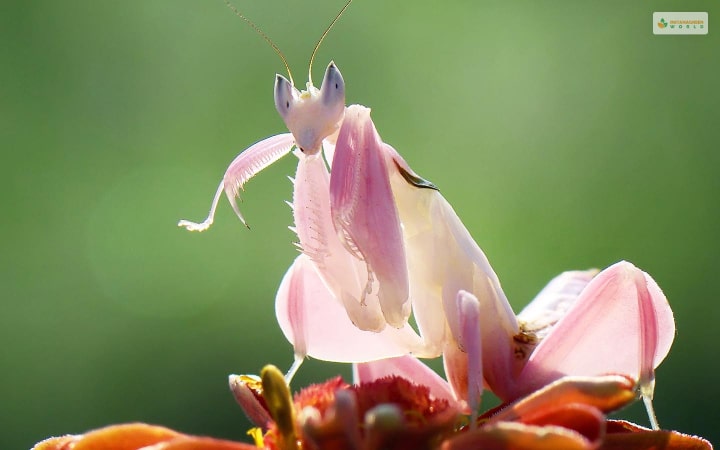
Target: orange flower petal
247, 390
606, 393
55, 443
133, 436
518, 436
129, 436
584, 419
624, 435
202, 443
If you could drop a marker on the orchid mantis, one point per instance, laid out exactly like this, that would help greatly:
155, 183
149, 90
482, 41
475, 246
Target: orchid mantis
358, 249
379, 243
582, 323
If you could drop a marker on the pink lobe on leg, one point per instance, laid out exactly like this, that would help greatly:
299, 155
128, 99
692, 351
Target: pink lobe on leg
318, 326
344, 275
613, 327
364, 212
462, 357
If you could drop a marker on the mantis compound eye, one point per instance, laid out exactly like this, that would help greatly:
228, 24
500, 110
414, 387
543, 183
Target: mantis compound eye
332, 90
284, 96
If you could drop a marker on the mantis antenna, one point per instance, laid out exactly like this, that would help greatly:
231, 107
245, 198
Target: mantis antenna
325, 33
269, 41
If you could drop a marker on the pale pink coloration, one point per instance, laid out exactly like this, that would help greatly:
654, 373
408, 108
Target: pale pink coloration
344, 274
355, 243
440, 255
620, 323
313, 118
246, 165
457, 301
379, 242
463, 355
350, 232
554, 301
317, 324
443, 259
574, 327
364, 211
617, 322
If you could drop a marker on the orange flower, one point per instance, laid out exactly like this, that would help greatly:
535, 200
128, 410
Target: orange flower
136, 436
394, 413
387, 413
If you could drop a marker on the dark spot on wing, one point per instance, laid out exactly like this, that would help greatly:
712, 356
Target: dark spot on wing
415, 180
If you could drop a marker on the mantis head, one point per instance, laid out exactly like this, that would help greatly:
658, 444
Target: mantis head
314, 114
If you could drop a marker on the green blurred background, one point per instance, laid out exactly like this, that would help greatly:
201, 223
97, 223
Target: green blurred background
565, 135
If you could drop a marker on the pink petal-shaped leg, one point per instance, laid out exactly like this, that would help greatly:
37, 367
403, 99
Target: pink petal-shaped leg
463, 355
246, 165
649, 340
455, 364
318, 326
364, 212
344, 275
621, 323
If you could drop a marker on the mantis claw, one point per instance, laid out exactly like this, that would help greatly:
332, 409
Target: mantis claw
246, 165
205, 224
194, 226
